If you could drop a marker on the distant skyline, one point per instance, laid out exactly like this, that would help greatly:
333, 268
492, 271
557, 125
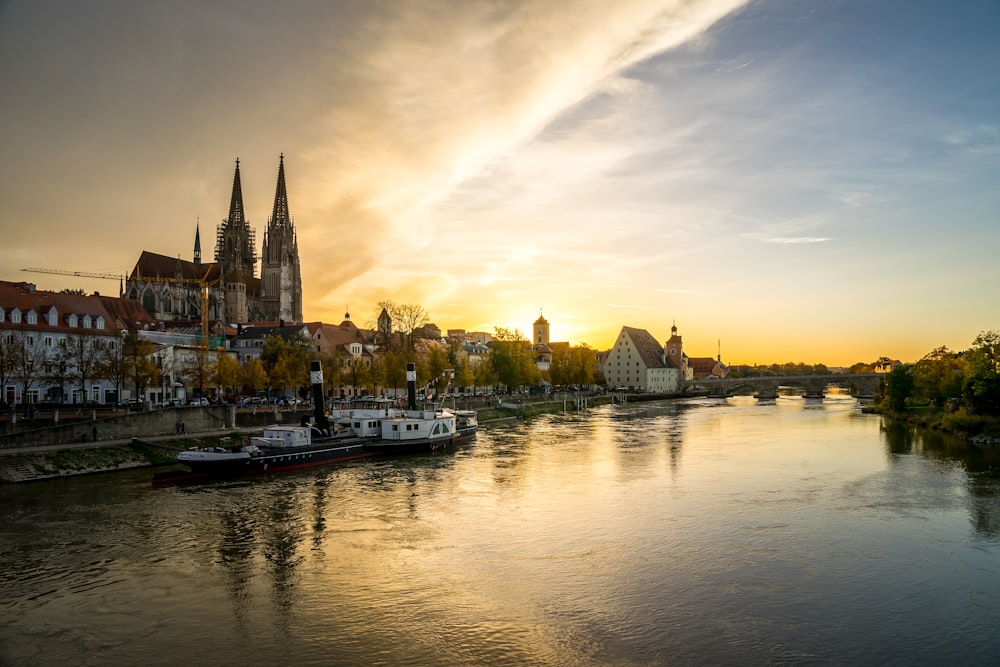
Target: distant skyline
804, 182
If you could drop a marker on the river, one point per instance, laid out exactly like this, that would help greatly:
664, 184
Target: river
698, 532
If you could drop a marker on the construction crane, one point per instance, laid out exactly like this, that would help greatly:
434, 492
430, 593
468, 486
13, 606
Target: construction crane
81, 274
204, 283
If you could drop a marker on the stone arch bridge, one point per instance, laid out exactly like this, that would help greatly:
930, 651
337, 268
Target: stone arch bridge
861, 385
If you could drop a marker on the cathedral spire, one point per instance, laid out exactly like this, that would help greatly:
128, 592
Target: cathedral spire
279, 215
235, 246
197, 243
235, 216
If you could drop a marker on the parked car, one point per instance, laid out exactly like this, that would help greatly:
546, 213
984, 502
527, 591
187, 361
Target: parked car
199, 401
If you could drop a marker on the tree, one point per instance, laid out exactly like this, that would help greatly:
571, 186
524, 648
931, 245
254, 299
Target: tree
938, 376
227, 374
981, 387
8, 358
29, 360
197, 371
511, 359
254, 375
333, 369
406, 318
431, 370
394, 364
286, 360
58, 368
83, 353
898, 388
112, 365
138, 363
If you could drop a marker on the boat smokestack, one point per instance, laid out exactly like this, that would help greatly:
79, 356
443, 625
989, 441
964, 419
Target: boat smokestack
319, 414
411, 385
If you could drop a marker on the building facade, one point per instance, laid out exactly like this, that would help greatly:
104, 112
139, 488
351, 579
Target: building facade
61, 347
638, 362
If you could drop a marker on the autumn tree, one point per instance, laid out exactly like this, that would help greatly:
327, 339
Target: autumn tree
227, 374
981, 386
286, 361
197, 371
938, 376
512, 360
254, 375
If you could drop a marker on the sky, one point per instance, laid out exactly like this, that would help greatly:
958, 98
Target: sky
784, 180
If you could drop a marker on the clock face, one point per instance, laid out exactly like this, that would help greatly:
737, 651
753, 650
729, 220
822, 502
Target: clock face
673, 350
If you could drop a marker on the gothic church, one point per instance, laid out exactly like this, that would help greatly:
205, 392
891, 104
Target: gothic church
174, 289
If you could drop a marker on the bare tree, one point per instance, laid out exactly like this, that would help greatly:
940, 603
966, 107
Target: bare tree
29, 360
407, 319
84, 357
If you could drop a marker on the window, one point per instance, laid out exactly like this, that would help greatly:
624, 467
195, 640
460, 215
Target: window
29, 341
72, 321
53, 316
32, 317
48, 341
86, 321
99, 322
15, 316
3, 314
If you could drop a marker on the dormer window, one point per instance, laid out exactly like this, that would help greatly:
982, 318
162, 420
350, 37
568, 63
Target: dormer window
99, 322
3, 315
32, 317
86, 321
356, 349
15, 316
53, 316
72, 321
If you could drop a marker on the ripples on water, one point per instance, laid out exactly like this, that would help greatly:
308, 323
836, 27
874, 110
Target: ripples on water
699, 532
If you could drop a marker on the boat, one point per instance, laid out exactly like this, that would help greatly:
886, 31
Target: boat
366, 429
466, 422
280, 447
416, 431
315, 441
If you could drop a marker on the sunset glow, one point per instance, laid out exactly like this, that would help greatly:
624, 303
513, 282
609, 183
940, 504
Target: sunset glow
789, 181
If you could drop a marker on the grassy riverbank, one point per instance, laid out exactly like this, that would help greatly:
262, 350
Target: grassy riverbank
979, 430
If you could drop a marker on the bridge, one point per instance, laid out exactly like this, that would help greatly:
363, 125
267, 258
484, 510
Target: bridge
861, 385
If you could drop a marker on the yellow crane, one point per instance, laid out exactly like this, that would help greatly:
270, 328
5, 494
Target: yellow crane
81, 274
204, 283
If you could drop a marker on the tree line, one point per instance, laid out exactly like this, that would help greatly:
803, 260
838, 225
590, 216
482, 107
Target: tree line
965, 383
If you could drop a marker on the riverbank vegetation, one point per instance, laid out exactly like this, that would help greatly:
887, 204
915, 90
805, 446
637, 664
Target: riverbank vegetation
958, 392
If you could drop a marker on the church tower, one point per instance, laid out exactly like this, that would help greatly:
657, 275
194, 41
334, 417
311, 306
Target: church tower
281, 279
235, 253
541, 331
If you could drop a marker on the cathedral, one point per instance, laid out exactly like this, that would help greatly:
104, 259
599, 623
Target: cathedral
229, 290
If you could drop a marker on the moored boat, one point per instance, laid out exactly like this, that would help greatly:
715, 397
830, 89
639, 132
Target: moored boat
466, 422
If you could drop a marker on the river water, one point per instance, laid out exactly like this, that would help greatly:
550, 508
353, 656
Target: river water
698, 532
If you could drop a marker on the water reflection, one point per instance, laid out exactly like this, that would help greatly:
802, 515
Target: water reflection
694, 532
980, 467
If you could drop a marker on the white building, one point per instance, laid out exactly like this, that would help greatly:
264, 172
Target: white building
639, 363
